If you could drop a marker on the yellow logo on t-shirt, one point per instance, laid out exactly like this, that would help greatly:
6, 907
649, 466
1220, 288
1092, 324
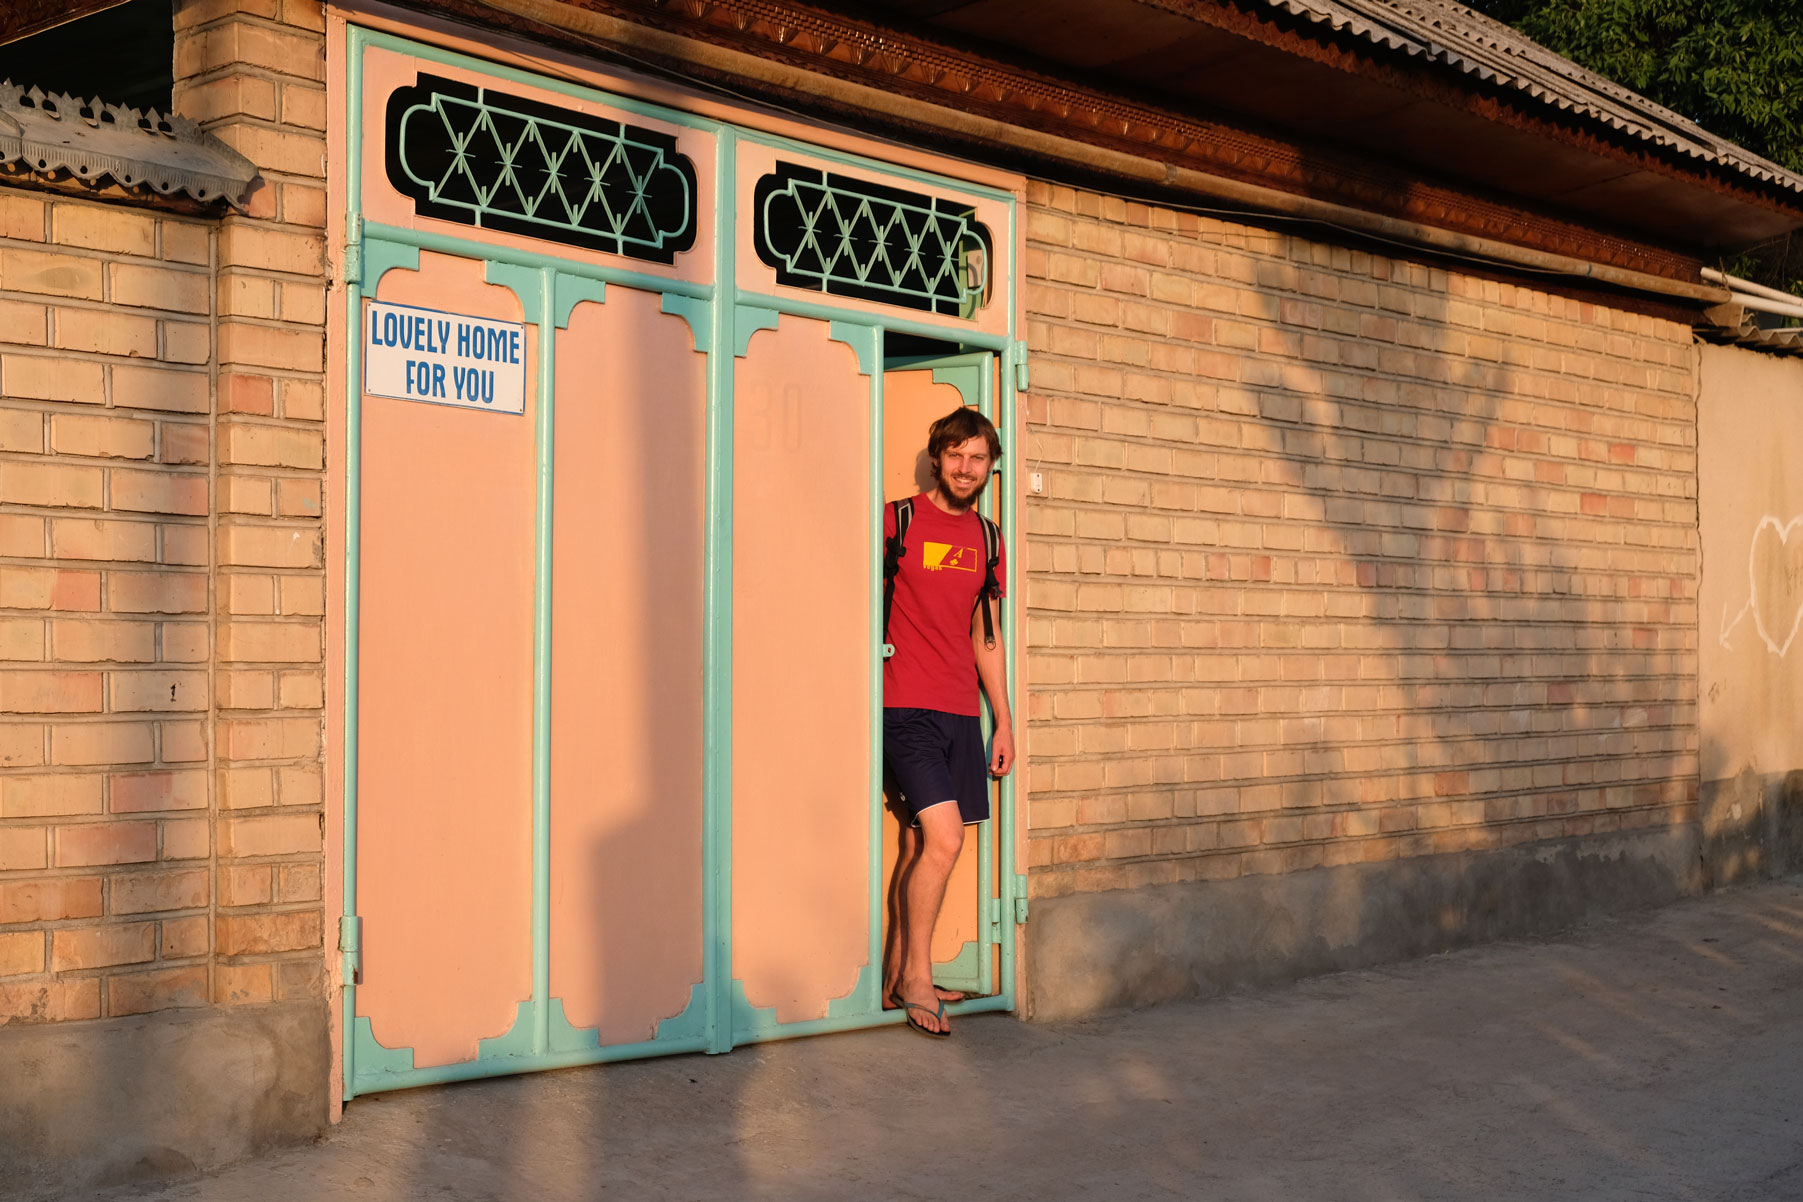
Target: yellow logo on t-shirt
936, 557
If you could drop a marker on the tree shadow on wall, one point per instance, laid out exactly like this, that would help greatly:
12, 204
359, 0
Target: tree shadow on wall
1419, 550
1483, 632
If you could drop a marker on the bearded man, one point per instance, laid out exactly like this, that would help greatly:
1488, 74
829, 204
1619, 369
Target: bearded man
944, 626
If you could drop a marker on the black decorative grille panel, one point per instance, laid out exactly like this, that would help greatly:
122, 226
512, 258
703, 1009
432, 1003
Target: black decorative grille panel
852, 237
481, 157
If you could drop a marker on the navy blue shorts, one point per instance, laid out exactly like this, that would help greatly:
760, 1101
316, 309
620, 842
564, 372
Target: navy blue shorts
931, 757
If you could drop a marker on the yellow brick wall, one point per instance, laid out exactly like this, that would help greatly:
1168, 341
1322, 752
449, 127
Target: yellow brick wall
1341, 558
161, 566
252, 72
106, 330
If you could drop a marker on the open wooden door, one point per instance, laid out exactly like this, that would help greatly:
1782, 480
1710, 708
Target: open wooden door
917, 391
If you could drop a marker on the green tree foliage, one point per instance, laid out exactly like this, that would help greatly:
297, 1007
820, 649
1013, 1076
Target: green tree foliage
1735, 67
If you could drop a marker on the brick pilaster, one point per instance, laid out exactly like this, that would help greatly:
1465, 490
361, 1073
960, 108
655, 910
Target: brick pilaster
253, 73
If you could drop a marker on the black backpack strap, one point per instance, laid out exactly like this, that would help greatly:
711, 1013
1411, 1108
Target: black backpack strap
894, 551
992, 556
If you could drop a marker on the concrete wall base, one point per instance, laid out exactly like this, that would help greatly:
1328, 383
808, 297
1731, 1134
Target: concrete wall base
92, 1104
1102, 951
1752, 827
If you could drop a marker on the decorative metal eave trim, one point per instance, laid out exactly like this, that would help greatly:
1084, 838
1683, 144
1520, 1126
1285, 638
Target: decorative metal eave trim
1492, 52
817, 41
57, 136
23, 18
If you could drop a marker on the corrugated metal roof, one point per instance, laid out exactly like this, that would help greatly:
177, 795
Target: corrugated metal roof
59, 137
1747, 332
1440, 31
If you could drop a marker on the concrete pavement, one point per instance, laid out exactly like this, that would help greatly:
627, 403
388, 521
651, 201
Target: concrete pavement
1658, 1056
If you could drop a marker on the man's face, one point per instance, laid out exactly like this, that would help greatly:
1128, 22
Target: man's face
963, 470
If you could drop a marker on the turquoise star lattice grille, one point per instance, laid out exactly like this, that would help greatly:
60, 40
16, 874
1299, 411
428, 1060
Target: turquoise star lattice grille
852, 237
484, 158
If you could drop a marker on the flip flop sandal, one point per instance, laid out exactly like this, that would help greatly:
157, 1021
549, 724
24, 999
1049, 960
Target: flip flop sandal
937, 1012
892, 1002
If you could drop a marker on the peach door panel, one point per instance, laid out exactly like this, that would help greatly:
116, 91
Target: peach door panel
802, 555
626, 684
912, 402
444, 867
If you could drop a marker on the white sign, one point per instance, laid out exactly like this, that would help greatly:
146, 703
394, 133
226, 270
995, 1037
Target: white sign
444, 358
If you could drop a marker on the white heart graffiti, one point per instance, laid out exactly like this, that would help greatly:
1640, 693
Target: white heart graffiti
1775, 646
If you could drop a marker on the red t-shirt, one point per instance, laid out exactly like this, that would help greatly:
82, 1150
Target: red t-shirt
934, 666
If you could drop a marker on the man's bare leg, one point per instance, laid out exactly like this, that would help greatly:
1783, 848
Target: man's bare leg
895, 947
938, 841
895, 942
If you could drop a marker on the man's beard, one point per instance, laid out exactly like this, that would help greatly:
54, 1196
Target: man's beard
950, 490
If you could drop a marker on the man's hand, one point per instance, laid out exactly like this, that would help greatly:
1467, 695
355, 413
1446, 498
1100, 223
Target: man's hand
1001, 754
992, 672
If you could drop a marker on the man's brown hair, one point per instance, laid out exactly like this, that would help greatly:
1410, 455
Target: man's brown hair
961, 425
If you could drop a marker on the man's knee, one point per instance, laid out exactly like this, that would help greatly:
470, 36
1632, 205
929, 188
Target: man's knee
943, 833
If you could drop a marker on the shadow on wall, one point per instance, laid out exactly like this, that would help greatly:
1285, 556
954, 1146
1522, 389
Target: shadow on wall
1505, 640
1752, 827
1436, 540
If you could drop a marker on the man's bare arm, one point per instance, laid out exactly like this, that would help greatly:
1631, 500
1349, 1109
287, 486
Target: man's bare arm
992, 671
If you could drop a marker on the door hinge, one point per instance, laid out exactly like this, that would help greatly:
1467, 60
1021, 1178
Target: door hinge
353, 253
995, 916
350, 943
1017, 358
1020, 900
